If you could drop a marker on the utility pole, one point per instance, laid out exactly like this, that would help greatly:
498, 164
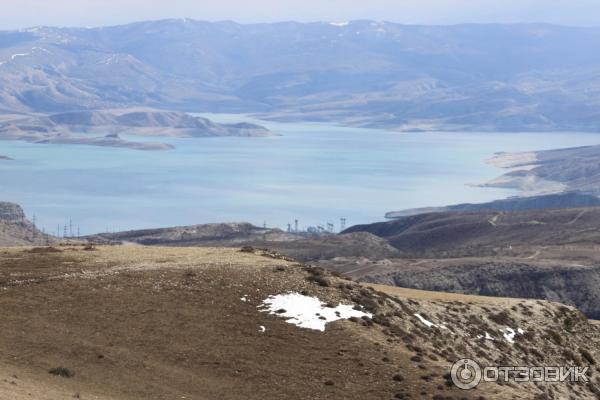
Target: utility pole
289, 228
70, 227
296, 225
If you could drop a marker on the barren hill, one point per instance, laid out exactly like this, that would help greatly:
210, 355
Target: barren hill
102, 128
16, 229
305, 247
545, 254
133, 322
456, 234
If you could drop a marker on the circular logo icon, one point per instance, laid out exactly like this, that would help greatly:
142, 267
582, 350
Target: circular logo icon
466, 374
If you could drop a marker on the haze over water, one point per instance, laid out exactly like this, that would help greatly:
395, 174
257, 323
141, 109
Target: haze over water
314, 172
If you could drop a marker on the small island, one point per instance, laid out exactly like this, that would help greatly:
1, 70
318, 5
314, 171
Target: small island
102, 128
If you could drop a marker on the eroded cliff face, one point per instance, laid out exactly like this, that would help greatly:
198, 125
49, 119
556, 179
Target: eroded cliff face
11, 212
16, 229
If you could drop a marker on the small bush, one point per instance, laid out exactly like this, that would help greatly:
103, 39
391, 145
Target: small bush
502, 318
587, 356
63, 372
319, 280
555, 337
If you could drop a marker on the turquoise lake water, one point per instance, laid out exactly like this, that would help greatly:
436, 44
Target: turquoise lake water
316, 173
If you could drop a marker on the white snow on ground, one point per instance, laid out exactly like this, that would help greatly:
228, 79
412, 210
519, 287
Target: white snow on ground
430, 324
262, 329
307, 312
14, 56
339, 24
19, 55
509, 334
486, 337
244, 298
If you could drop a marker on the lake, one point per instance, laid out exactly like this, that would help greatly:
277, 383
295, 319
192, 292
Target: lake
316, 173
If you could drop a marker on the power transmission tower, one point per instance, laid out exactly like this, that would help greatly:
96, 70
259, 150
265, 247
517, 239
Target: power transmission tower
342, 224
296, 225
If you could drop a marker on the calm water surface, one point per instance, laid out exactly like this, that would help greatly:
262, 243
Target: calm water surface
314, 172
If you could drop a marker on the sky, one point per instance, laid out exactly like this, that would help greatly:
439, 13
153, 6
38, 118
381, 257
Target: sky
24, 13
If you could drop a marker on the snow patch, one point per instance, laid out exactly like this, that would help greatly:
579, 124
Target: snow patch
308, 312
262, 329
509, 333
430, 324
486, 337
19, 55
339, 24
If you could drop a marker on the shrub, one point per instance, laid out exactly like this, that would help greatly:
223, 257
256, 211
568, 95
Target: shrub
63, 372
502, 318
321, 281
587, 356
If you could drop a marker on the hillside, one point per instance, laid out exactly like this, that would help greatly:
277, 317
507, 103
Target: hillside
102, 128
16, 229
132, 322
300, 246
571, 199
569, 169
544, 254
524, 77
456, 234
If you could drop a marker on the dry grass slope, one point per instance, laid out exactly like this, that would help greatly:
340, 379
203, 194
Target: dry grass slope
134, 322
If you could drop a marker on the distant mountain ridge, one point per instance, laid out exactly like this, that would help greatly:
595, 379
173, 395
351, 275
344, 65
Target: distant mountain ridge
532, 77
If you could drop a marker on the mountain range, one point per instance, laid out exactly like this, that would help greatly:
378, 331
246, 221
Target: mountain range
533, 77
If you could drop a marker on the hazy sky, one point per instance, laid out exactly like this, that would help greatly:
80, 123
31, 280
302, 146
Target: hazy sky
22, 13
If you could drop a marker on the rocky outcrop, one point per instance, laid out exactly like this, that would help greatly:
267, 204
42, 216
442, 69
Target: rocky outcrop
11, 213
16, 229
